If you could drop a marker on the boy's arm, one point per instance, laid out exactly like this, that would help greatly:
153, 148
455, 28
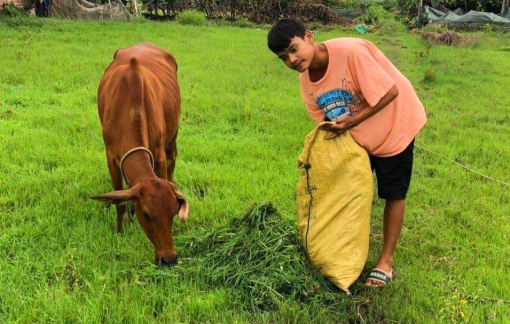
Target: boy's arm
345, 123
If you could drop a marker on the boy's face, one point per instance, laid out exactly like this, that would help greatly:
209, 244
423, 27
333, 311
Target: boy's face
299, 55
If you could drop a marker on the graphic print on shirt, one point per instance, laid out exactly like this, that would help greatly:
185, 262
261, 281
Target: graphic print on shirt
338, 102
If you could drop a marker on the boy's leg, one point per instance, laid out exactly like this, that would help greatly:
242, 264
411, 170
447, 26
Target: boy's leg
392, 225
393, 178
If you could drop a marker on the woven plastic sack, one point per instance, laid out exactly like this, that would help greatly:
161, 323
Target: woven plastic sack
334, 199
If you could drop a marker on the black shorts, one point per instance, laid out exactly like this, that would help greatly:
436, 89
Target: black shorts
393, 173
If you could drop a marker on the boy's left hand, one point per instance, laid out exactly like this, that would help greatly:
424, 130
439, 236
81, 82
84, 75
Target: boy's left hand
342, 125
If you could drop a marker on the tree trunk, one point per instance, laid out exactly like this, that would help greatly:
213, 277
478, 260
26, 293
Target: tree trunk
135, 8
419, 7
505, 5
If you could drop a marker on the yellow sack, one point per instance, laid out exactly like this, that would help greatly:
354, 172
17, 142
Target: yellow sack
334, 198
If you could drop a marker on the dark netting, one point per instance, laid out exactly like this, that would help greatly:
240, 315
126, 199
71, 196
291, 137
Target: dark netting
471, 20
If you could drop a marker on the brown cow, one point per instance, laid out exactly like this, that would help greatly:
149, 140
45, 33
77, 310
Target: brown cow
139, 106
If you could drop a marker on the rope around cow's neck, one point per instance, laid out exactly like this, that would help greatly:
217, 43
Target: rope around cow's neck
140, 148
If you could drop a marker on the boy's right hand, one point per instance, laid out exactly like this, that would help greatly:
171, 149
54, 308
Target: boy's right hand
332, 128
328, 127
343, 124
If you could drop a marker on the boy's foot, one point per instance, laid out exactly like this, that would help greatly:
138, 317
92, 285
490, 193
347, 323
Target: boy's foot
378, 278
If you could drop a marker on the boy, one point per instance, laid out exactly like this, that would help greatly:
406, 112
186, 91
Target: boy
351, 82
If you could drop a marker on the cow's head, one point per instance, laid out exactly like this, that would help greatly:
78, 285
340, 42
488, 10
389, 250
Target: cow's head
157, 201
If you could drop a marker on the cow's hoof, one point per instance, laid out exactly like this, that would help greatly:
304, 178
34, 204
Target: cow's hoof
131, 212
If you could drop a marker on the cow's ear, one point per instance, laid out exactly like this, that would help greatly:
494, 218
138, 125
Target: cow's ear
184, 206
119, 197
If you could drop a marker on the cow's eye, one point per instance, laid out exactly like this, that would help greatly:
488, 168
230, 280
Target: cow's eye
146, 216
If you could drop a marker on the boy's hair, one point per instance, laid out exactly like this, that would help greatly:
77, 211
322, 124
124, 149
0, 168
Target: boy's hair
282, 32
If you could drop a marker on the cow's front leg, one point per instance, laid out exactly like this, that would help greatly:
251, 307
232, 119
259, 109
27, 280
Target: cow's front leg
117, 185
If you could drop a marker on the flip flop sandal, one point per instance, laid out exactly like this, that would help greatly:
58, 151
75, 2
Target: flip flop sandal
382, 277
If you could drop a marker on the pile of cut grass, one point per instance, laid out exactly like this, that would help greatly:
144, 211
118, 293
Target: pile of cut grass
259, 256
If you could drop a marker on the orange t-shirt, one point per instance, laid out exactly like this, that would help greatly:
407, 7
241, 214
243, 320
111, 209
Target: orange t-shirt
357, 77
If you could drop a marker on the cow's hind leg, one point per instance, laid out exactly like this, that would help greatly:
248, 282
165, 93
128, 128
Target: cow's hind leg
171, 156
117, 185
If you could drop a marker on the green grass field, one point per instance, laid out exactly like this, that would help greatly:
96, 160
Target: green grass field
242, 128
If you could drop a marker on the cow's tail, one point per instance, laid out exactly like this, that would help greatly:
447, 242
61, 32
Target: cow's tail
136, 95
133, 62
135, 84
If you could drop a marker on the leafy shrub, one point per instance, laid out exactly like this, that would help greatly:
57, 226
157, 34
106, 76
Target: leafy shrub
346, 4
243, 23
11, 10
376, 15
192, 17
389, 4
